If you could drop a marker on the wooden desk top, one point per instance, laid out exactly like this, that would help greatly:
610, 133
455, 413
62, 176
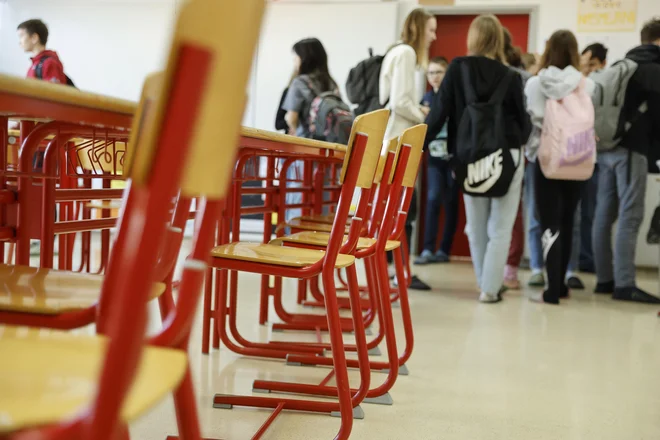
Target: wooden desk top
255, 133
62, 94
22, 98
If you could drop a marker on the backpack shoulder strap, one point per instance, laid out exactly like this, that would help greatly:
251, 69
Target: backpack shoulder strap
39, 68
502, 88
470, 94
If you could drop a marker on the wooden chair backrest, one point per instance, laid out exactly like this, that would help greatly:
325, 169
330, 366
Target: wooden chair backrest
213, 34
372, 125
414, 137
389, 146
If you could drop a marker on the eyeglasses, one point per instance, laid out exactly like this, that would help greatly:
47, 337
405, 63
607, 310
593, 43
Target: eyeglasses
435, 72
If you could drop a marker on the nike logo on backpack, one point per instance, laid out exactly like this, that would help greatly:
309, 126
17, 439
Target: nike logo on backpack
547, 240
484, 173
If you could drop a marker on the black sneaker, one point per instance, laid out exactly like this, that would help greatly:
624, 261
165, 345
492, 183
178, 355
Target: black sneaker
417, 284
565, 292
605, 288
574, 283
634, 294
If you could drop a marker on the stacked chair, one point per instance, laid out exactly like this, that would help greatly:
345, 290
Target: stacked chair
318, 253
57, 385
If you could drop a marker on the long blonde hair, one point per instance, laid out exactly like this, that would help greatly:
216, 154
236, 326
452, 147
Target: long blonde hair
486, 38
413, 34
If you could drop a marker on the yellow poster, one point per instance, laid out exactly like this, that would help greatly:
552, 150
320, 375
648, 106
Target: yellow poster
607, 15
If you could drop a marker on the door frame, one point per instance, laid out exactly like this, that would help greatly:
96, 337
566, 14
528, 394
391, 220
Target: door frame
532, 10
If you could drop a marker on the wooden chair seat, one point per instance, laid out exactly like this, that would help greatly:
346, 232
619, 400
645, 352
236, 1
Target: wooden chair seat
319, 218
321, 239
49, 376
300, 224
51, 292
276, 255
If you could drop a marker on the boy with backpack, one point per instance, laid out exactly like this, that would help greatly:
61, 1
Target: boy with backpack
627, 103
46, 65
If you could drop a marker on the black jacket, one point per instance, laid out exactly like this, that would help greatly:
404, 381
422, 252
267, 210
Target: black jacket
644, 134
280, 122
485, 76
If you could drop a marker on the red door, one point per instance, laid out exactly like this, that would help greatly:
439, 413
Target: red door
451, 43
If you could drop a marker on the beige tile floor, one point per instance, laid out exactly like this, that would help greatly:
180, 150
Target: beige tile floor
588, 369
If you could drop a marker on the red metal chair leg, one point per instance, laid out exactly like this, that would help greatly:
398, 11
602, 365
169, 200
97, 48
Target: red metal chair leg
363, 358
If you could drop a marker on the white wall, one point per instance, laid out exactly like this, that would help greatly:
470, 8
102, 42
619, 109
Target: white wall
363, 25
109, 46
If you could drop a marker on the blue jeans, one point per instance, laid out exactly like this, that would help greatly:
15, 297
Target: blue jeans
489, 227
442, 190
622, 198
534, 227
588, 210
294, 172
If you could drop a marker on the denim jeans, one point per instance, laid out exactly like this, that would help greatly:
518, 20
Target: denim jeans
623, 198
294, 172
442, 191
489, 226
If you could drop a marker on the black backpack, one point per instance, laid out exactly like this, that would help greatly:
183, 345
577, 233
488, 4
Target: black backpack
363, 84
329, 118
39, 72
483, 162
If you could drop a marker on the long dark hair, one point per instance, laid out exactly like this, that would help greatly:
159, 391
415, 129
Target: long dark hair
314, 61
512, 53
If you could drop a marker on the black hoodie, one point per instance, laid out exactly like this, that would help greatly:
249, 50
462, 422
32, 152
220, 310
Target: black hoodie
644, 134
485, 76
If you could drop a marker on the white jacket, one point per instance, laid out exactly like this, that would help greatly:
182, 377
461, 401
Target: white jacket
399, 84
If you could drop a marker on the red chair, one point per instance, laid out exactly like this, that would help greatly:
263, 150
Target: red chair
60, 386
268, 259
372, 250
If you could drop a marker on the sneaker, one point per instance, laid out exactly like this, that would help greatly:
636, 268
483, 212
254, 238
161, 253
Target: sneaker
574, 282
441, 257
513, 284
605, 288
426, 257
490, 298
536, 280
543, 298
634, 294
417, 284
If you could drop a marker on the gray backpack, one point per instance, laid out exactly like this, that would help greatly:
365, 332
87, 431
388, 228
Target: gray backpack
608, 99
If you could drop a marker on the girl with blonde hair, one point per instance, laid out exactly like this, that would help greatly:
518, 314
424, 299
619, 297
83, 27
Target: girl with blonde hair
402, 83
472, 81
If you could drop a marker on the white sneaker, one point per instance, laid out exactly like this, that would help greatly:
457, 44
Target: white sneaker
490, 297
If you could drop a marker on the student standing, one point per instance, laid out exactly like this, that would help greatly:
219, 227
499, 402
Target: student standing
593, 59
482, 77
401, 87
46, 65
311, 78
622, 175
442, 188
556, 200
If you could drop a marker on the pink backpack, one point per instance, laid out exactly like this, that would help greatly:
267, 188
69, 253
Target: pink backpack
568, 140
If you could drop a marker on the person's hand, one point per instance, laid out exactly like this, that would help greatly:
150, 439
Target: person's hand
584, 63
426, 110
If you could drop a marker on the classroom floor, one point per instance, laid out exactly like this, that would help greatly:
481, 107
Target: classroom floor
588, 369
